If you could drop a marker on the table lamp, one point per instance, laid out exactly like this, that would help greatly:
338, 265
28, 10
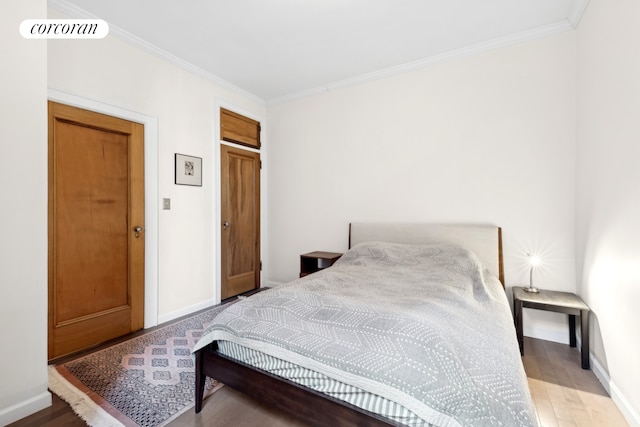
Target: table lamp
534, 261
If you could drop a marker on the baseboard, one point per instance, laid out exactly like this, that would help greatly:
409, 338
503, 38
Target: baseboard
185, 311
631, 415
23, 409
168, 317
553, 335
598, 370
271, 284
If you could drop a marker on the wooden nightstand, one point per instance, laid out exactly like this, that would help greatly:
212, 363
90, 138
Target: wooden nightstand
315, 261
561, 302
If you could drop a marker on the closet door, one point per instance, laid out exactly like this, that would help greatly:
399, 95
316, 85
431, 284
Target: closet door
240, 208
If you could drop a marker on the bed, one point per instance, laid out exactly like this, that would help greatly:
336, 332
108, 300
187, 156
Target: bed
410, 327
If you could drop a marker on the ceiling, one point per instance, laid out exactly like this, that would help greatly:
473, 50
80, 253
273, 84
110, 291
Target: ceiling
282, 49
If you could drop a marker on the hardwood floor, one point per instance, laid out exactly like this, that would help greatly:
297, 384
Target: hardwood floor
59, 414
565, 395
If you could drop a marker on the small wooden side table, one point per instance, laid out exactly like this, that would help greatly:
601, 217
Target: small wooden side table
561, 302
316, 261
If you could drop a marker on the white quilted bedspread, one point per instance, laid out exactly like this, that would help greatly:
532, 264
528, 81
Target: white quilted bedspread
424, 326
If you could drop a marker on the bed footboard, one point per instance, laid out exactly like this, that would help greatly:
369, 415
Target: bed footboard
313, 407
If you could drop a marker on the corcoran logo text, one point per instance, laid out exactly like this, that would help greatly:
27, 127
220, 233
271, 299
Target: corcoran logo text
64, 28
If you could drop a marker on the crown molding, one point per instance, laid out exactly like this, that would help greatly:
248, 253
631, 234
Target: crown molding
547, 30
575, 15
73, 11
569, 24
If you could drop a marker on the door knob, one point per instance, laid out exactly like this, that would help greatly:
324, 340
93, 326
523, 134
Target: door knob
226, 225
138, 230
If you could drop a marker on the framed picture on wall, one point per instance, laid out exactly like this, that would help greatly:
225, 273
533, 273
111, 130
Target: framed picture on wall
188, 170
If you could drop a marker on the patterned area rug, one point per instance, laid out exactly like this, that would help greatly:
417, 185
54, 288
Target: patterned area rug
145, 381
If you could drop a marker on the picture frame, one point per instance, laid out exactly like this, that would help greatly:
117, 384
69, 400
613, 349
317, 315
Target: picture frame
188, 170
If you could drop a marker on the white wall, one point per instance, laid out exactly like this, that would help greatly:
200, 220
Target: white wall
608, 191
114, 72
484, 139
23, 225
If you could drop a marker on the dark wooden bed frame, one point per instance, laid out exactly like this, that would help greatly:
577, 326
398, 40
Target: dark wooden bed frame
307, 404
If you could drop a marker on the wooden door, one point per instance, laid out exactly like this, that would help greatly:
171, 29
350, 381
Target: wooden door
240, 194
96, 228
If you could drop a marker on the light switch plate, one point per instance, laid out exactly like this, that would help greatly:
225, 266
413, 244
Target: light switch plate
166, 204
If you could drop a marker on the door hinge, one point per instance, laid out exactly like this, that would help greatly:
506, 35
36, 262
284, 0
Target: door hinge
260, 265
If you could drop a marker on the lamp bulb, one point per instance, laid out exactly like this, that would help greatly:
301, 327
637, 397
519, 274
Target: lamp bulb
534, 260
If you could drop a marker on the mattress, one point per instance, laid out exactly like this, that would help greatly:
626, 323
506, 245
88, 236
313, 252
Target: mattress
322, 384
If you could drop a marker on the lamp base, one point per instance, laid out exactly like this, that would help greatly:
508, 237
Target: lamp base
532, 290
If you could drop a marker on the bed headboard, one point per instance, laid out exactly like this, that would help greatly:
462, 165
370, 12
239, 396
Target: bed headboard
483, 240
